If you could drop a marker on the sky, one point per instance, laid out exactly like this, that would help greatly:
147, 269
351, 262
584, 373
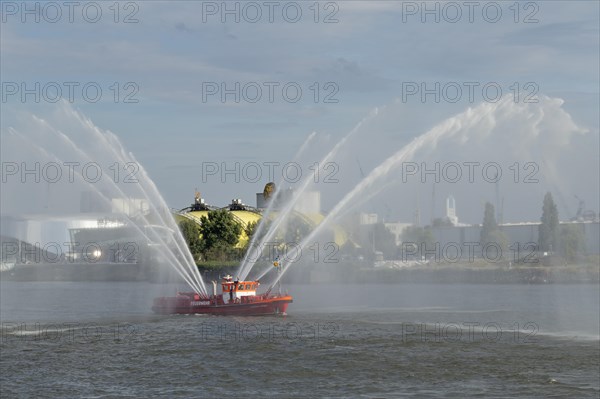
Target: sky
203, 92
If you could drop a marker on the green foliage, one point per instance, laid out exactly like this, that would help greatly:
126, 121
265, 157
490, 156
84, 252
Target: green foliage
489, 225
219, 228
227, 267
191, 234
572, 241
492, 234
250, 229
221, 252
220, 233
384, 241
548, 231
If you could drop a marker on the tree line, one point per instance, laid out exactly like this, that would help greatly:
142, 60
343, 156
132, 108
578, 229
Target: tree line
566, 240
216, 238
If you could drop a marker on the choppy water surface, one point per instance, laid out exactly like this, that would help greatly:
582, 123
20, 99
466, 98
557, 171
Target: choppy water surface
101, 340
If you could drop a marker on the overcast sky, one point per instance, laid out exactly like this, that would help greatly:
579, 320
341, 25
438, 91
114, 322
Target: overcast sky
162, 68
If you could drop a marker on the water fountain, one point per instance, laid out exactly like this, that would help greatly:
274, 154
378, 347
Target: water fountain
255, 249
287, 210
482, 121
144, 221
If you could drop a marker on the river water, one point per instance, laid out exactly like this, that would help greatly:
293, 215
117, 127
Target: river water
101, 340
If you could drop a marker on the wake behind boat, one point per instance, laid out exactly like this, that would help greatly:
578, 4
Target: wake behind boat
236, 298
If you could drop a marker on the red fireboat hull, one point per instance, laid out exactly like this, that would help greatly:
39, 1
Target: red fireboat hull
190, 304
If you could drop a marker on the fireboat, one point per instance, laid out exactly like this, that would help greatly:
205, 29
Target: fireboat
236, 298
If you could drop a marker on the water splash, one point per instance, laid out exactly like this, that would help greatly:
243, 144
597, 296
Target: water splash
474, 123
298, 192
74, 137
254, 249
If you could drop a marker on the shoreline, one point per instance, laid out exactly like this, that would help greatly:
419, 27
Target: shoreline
324, 274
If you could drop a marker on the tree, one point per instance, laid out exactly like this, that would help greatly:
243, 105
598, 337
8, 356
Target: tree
548, 230
191, 233
220, 232
384, 241
571, 241
488, 226
492, 238
441, 222
250, 229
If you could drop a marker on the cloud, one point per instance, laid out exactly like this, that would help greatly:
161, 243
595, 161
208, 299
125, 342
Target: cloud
350, 76
368, 53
